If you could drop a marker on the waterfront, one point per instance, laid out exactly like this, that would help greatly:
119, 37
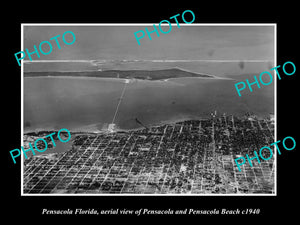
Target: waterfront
183, 150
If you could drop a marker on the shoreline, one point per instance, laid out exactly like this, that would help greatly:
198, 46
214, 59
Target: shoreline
81, 77
103, 131
131, 80
117, 129
91, 129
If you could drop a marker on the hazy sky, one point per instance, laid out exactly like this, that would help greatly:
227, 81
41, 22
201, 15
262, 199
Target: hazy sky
186, 42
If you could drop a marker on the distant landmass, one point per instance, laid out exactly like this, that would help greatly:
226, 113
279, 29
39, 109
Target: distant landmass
125, 74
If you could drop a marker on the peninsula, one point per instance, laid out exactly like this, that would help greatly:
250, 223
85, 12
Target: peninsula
125, 74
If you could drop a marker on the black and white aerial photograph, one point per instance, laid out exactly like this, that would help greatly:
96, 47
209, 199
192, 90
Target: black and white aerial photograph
162, 117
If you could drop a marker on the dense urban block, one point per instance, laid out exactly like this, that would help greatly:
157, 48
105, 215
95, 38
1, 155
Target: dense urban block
188, 157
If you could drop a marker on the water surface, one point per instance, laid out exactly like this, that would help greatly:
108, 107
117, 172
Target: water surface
90, 103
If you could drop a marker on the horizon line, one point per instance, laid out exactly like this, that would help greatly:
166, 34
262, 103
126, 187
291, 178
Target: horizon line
149, 60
